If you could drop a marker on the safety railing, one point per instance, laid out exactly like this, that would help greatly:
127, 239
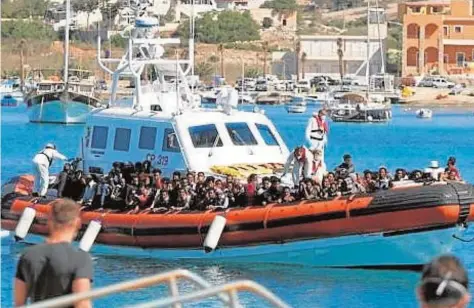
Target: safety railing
227, 293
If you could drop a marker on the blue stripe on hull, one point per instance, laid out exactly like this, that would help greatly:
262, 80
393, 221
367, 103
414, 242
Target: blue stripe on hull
59, 112
367, 250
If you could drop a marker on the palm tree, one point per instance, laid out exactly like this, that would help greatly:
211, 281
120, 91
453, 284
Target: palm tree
340, 54
21, 47
297, 56
265, 50
220, 48
203, 70
303, 60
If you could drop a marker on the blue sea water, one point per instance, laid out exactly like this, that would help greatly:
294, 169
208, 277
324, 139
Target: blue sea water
404, 142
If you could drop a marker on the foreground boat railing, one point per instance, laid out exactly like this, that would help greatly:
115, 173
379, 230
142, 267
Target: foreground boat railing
227, 293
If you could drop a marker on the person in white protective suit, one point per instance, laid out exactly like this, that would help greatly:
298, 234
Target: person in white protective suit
319, 167
302, 160
41, 163
317, 132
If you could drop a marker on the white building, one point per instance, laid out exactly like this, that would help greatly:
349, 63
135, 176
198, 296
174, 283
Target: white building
321, 56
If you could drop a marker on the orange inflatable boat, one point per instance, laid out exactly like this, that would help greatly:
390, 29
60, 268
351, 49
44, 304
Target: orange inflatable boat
394, 228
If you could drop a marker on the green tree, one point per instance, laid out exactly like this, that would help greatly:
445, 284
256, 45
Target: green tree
87, 6
109, 11
23, 8
19, 29
282, 7
222, 27
118, 41
253, 72
204, 70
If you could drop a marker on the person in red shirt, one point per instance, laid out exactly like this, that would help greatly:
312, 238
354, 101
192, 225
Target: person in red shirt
451, 168
251, 188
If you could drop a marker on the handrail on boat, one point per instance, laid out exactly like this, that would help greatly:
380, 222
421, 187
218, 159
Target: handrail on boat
227, 293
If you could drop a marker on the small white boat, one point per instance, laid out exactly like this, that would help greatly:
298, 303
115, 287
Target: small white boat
296, 109
246, 99
10, 93
424, 113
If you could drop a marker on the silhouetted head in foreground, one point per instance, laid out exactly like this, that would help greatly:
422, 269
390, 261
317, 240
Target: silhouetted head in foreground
444, 284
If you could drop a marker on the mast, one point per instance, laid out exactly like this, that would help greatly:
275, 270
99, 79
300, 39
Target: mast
382, 68
66, 43
367, 66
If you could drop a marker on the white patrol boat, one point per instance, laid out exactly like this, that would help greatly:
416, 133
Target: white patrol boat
165, 123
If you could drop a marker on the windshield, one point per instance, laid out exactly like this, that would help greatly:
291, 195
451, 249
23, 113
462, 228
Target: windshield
205, 136
267, 134
240, 134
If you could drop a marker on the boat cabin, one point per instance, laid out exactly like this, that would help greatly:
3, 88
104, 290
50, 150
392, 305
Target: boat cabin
195, 140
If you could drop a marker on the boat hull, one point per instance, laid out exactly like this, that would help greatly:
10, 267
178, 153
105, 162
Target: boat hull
51, 109
393, 228
10, 101
296, 109
375, 250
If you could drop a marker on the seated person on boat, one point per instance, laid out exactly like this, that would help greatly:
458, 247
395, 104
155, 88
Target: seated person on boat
136, 188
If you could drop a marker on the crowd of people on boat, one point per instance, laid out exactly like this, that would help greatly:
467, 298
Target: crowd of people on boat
137, 187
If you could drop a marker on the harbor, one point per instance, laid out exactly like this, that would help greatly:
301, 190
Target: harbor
330, 171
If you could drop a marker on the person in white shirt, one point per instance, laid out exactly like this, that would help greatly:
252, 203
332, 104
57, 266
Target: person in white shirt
302, 160
316, 131
434, 170
319, 167
41, 163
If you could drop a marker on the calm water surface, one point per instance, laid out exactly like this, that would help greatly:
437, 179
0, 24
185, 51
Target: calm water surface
405, 142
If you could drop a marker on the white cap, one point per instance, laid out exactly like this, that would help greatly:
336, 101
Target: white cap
50, 146
434, 164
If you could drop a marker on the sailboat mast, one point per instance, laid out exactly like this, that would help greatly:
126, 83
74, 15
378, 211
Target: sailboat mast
367, 66
66, 41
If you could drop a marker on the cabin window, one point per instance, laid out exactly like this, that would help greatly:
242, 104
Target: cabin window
205, 136
170, 141
240, 134
147, 138
122, 139
99, 137
267, 134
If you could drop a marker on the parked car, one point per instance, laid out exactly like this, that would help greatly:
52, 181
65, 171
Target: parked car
290, 85
280, 85
261, 85
442, 82
303, 85
324, 80
426, 82
350, 81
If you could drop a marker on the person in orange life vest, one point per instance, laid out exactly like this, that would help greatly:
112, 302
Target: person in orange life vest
317, 130
302, 160
319, 167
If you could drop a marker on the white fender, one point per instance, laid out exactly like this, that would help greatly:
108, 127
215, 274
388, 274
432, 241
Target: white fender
90, 235
25, 222
214, 234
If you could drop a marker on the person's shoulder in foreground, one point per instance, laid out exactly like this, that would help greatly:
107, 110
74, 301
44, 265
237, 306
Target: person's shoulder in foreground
55, 268
444, 283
